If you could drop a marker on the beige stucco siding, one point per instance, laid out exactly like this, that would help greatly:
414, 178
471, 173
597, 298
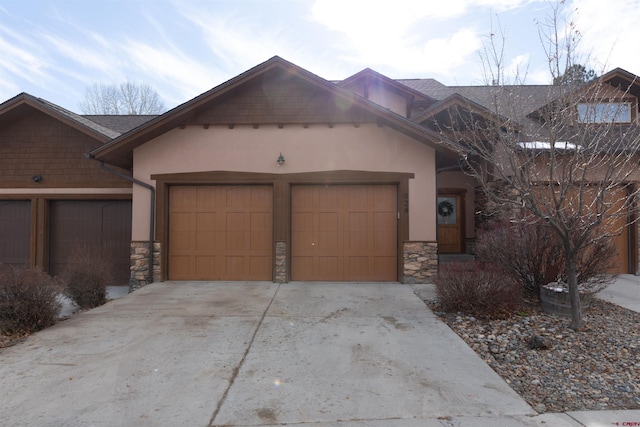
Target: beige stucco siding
388, 99
383, 97
316, 148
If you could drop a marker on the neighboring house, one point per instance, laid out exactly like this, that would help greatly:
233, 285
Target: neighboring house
612, 98
52, 199
277, 175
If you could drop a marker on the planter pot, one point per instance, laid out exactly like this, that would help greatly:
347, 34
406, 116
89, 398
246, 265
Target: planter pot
558, 302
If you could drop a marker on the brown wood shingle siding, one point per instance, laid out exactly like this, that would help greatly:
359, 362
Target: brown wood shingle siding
281, 100
38, 144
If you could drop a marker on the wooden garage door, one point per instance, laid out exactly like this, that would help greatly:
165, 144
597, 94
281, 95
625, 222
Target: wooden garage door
15, 220
344, 233
220, 232
100, 226
620, 230
615, 224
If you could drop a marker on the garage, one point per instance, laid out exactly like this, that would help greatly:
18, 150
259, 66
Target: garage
344, 233
220, 232
15, 221
103, 226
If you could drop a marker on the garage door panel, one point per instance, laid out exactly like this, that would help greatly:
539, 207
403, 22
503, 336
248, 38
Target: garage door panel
237, 241
358, 267
205, 266
260, 267
234, 225
102, 227
15, 232
183, 197
328, 268
181, 264
260, 241
615, 221
382, 241
384, 196
383, 265
338, 230
358, 221
357, 241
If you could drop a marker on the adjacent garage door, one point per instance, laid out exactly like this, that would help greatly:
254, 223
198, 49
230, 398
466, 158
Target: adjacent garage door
344, 233
220, 232
15, 220
100, 226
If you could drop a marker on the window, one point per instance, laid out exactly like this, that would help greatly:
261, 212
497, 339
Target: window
604, 112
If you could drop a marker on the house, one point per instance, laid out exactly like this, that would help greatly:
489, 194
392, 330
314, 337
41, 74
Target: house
52, 200
275, 175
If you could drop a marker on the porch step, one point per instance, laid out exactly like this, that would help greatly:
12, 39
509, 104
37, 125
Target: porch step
442, 258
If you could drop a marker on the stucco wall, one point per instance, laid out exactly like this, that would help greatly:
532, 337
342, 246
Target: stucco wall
388, 99
316, 148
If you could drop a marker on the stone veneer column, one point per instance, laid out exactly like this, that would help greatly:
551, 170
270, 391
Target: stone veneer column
281, 262
420, 261
140, 262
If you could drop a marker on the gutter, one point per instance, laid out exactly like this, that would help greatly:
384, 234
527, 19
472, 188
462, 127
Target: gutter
152, 209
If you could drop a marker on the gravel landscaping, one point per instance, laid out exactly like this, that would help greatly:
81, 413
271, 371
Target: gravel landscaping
594, 369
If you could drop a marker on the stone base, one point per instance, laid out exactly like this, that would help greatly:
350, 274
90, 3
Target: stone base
420, 260
140, 265
281, 262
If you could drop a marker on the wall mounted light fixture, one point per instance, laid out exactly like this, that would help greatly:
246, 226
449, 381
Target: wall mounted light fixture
280, 160
36, 178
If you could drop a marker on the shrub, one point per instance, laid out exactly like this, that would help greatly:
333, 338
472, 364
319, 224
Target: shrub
28, 300
534, 255
529, 253
478, 289
86, 278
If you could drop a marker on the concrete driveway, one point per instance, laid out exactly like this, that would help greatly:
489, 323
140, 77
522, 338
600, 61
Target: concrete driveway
256, 354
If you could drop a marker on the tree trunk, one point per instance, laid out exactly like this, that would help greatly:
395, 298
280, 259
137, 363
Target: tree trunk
574, 294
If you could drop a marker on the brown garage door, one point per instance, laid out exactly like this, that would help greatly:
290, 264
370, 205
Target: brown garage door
620, 230
344, 233
220, 232
616, 224
15, 220
103, 226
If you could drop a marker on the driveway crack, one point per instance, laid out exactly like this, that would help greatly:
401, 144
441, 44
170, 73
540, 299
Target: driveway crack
236, 370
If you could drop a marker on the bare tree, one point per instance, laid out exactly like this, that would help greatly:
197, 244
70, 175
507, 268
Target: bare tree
126, 98
568, 161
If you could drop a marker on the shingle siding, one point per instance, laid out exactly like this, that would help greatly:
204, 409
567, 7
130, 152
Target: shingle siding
38, 144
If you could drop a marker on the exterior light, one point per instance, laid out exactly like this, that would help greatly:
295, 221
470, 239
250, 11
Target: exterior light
36, 178
280, 160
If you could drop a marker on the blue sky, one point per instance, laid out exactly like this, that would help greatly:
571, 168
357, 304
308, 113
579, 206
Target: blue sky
55, 49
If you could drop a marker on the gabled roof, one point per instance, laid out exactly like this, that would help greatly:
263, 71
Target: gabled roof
624, 80
23, 104
119, 152
120, 123
369, 76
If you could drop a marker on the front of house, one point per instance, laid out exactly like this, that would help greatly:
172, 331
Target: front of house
275, 175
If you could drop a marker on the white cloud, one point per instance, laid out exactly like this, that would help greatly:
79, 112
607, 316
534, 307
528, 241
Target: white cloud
185, 76
610, 34
85, 55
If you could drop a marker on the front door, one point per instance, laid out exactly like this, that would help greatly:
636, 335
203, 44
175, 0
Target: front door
450, 223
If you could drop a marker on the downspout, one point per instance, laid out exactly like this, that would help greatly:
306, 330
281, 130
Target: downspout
152, 209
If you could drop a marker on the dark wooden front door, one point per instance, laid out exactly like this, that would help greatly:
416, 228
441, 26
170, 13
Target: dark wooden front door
450, 223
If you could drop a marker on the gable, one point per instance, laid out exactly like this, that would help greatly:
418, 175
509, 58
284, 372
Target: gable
280, 98
35, 143
276, 92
